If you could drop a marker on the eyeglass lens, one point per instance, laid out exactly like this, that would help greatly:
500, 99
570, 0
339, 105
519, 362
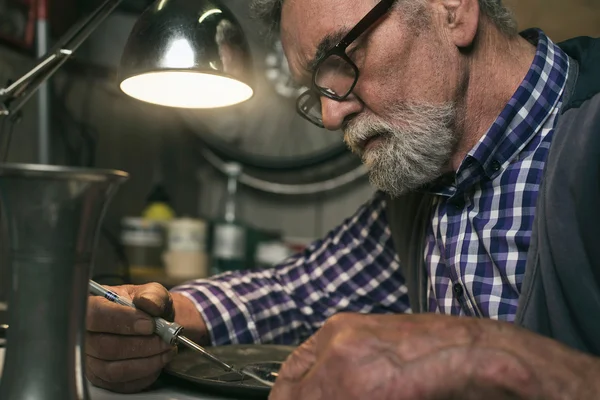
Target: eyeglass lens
310, 106
335, 75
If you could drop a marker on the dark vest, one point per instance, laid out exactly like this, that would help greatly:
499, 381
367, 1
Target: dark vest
560, 296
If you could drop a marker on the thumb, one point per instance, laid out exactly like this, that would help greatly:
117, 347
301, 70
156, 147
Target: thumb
299, 363
154, 299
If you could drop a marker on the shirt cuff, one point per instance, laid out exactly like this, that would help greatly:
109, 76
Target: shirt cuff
227, 318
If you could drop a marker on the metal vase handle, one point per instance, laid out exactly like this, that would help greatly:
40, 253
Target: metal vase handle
53, 218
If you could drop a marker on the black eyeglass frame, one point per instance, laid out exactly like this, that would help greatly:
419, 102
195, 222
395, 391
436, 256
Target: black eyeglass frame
340, 50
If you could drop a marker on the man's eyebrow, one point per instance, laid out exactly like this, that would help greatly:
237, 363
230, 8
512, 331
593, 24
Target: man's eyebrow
325, 45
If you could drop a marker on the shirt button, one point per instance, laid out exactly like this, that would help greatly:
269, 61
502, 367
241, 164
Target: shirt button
496, 165
458, 290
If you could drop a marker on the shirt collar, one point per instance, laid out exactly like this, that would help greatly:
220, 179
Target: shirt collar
528, 109
525, 113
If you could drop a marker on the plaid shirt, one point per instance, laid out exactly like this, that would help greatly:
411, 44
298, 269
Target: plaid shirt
476, 243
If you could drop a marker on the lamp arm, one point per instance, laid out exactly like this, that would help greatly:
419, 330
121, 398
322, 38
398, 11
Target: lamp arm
13, 97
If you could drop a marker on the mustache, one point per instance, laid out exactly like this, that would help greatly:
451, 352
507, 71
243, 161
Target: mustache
360, 130
416, 144
412, 118
364, 130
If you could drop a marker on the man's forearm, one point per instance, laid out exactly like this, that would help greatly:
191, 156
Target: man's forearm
560, 372
429, 356
354, 268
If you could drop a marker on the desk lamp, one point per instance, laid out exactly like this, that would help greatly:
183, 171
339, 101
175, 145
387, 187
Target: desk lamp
180, 53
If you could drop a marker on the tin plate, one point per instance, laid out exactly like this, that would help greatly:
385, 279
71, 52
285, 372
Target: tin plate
195, 368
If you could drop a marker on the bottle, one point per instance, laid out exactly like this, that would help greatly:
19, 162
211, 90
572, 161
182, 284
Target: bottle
158, 205
229, 234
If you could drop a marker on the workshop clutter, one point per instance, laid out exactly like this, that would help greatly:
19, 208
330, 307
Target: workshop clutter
174, 248
193, 248
163, 247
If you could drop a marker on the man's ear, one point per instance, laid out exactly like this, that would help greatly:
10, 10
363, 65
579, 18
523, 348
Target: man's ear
461, 20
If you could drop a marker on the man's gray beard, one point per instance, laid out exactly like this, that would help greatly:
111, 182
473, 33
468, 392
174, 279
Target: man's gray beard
409, 155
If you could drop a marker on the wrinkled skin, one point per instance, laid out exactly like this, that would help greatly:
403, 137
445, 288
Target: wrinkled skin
448, 54
122, 352
427, 357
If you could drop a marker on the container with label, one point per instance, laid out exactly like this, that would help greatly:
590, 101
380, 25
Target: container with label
186, 255
187, 234
143, 241
229, 234
229, 247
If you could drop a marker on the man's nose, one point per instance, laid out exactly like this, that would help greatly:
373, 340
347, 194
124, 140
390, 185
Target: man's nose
335, 112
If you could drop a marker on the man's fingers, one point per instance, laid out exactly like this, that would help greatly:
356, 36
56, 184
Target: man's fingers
109, 317
154, 299
111, 347
299, 363
128, 370
105, 316
283, 391
133, 386
122, 354
293, 390
295, 367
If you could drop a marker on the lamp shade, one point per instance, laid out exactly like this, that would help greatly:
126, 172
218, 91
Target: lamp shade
187, 54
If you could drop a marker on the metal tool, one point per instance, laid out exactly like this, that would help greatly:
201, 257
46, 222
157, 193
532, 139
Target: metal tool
170, 332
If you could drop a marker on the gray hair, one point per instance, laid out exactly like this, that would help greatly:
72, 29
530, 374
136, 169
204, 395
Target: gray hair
501, 16
269, 12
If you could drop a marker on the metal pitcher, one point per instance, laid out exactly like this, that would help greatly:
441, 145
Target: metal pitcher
53, 217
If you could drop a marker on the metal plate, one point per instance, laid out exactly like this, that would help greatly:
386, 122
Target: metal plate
195, 368
3, 329
264, 132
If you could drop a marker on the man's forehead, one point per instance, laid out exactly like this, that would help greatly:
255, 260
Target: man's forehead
307, 23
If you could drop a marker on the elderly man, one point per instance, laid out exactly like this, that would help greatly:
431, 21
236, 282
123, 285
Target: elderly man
484, 145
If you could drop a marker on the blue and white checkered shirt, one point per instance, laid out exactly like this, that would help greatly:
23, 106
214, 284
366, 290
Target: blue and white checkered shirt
476, 249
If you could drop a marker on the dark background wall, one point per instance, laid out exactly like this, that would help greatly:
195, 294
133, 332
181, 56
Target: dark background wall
560, 19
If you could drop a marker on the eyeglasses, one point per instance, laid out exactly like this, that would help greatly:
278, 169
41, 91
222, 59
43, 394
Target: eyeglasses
335, 75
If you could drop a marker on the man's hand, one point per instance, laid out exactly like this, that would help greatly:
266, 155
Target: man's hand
426, 357
122, 353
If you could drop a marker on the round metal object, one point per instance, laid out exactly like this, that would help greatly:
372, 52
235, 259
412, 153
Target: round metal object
345, 175
200, 40
192, 367
3, 329
60, 172
265, 132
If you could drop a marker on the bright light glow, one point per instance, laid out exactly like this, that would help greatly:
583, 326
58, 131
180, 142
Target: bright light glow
209, 13
161, 4
186, 89
179, 55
